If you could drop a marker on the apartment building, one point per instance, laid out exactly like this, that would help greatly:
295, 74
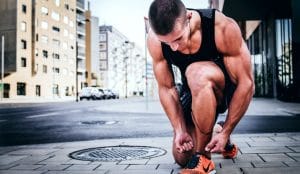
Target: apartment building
40, 47
122, 64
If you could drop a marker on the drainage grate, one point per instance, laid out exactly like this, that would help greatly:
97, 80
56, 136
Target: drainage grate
117, 153
101, 122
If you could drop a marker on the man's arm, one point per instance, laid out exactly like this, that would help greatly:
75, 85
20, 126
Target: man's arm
168, 94
238, 65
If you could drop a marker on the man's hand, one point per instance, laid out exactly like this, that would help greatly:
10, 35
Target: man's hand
183, 142
217, 143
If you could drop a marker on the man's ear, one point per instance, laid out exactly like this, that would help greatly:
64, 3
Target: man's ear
189, 15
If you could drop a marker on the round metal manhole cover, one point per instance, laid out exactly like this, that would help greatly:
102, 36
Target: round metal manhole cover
101, 122
117, 153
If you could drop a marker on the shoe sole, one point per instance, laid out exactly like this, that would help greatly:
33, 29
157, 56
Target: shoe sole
213, 172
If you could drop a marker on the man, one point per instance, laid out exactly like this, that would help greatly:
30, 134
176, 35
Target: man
216, 74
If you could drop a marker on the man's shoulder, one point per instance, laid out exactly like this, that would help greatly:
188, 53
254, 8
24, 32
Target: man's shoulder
154, 45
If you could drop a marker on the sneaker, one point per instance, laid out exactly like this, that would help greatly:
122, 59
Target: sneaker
199, 164
231, 151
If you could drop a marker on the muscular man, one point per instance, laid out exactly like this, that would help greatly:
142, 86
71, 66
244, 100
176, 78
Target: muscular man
216, 73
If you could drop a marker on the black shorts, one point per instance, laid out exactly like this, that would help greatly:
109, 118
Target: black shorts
186, 97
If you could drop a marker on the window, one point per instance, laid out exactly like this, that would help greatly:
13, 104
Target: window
55, 29
24, 9
55, 89
44, 68
44, 25
71, 24
55, 56
56, 70
65, 45
66, 19
55, 16
37, 90
37, 37
44, 39
36, 52
66, 33
23, 26
23, 62
56, 42
23, 44
45, 54
57, 2
21, 88
67, 6
102, 37
44, 10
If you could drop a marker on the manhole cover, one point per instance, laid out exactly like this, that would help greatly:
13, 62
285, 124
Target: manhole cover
101, 122
117, 153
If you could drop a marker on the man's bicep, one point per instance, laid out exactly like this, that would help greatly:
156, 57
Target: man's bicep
162, 74
239, 66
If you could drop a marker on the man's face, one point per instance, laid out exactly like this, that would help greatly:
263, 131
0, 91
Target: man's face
178, 38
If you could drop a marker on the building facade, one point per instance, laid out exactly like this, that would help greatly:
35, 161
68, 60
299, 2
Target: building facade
40, 47
272, 32
122, 64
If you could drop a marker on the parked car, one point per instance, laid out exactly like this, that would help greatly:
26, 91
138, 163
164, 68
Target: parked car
90, 93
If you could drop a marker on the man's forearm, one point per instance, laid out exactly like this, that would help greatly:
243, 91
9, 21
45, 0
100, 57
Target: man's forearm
170, 101
238, 106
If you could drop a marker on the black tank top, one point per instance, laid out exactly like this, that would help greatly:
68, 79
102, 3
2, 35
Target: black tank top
207, 51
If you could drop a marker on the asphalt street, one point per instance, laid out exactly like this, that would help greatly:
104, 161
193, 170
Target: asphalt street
70, 121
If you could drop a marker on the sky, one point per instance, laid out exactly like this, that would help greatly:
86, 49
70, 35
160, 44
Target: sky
127, 16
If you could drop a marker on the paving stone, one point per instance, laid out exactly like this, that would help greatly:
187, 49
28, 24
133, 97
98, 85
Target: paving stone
295, 148
72, 161
275, 144
295, 156
23, 172
168, 166
81, 167
7, 166
229, 171
162, 171
265, 149
247, 158
52, 167
111, 165
26, 167
261, 139
32, 152
142, 161
276, 157
77, 172
34, 159
293, 163
268, 164
142, 167
282, 139
277, 170
7, 159
237, 165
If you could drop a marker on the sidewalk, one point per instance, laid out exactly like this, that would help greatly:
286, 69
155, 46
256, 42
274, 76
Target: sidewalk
258, 154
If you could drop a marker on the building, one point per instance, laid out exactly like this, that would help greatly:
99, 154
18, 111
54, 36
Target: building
92, 49
81, 75
40, 47
272, 32
122, 66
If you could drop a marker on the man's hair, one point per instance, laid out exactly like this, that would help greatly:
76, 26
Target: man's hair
163, 15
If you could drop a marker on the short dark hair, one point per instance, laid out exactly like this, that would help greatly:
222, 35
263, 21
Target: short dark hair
163, 15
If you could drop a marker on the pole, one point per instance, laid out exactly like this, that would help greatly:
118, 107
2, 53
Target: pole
76, 75
2, 68
146, 78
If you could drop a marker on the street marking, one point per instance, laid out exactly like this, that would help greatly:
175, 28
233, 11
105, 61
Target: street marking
2, 121
74, 111
43, 115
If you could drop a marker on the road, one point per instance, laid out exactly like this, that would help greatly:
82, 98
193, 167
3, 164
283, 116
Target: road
71, 121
